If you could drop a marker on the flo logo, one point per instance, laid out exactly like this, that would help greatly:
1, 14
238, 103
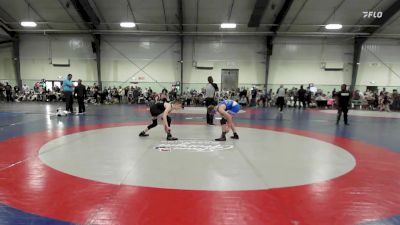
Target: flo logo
371, 14
192, 146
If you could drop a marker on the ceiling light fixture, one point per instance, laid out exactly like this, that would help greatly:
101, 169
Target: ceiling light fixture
28, 24
127, 24
228, 25
333, 26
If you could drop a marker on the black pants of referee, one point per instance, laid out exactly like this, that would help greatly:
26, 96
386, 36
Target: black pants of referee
210, 117
345, 110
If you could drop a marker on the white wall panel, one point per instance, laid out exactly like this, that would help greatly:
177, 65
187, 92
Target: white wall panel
7, 71
151, 58
298, 61
294, 60
243, 53
379, 58
36, 52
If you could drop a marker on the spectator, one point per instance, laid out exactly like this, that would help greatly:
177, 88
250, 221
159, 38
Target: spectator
280, 101
67, 88
8, 89
302, 97
80, 92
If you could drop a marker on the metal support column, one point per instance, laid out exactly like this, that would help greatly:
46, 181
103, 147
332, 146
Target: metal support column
16, 60
267, 57
97, 39
358, 42
181, 62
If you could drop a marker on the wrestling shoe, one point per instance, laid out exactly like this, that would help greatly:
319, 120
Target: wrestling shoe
221, 139
235, 136
143, 134
171, 138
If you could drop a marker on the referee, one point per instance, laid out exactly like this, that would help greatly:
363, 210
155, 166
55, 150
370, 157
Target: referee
343, 101
211, 88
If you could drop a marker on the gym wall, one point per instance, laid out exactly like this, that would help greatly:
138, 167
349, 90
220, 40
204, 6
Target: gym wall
156, 58
379, 63
6, 63
301, 61
38, 51
244, 53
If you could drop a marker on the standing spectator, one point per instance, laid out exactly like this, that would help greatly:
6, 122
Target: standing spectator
8, 89
253, 97
67, 87
383, 91
296, 97
81, 94
385, 102
302, 97
343, 101
334, 93
396, 100
308, 96
120, 94
211, 88
1, 92
280, 101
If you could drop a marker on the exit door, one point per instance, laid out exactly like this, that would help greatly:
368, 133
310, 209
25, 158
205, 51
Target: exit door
229, 79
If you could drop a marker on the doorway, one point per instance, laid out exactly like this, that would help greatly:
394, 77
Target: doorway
229, 79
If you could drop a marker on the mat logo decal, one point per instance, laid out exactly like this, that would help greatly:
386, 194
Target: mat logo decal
192, 146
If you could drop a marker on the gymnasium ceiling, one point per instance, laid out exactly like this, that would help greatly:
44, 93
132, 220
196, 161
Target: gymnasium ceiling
202, 17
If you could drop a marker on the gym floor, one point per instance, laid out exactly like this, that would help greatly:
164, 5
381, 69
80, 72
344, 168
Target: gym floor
295, 168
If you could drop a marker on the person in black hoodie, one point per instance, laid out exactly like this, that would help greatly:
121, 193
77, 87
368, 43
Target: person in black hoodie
8, 92
302, 96
80, 92
343, 100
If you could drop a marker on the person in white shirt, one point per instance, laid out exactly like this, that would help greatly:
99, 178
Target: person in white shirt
280, 101
211, 89
25, 88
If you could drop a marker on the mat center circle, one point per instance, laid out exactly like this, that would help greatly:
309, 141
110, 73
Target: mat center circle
260, 159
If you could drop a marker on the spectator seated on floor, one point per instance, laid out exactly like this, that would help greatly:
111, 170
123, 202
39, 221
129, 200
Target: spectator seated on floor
357, 100
330, 102
321, 101
51, 96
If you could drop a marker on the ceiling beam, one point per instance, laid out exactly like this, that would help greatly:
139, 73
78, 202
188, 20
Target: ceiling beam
332, 14
165, 15
133, 15
373, 8
180, 15
258, 12
281, 15
359, 41
69, 14
6, 29
297, 14
87, 13
37, 13
5, 13
3, 26
386, 16
98, 12
230, 11
5, 42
